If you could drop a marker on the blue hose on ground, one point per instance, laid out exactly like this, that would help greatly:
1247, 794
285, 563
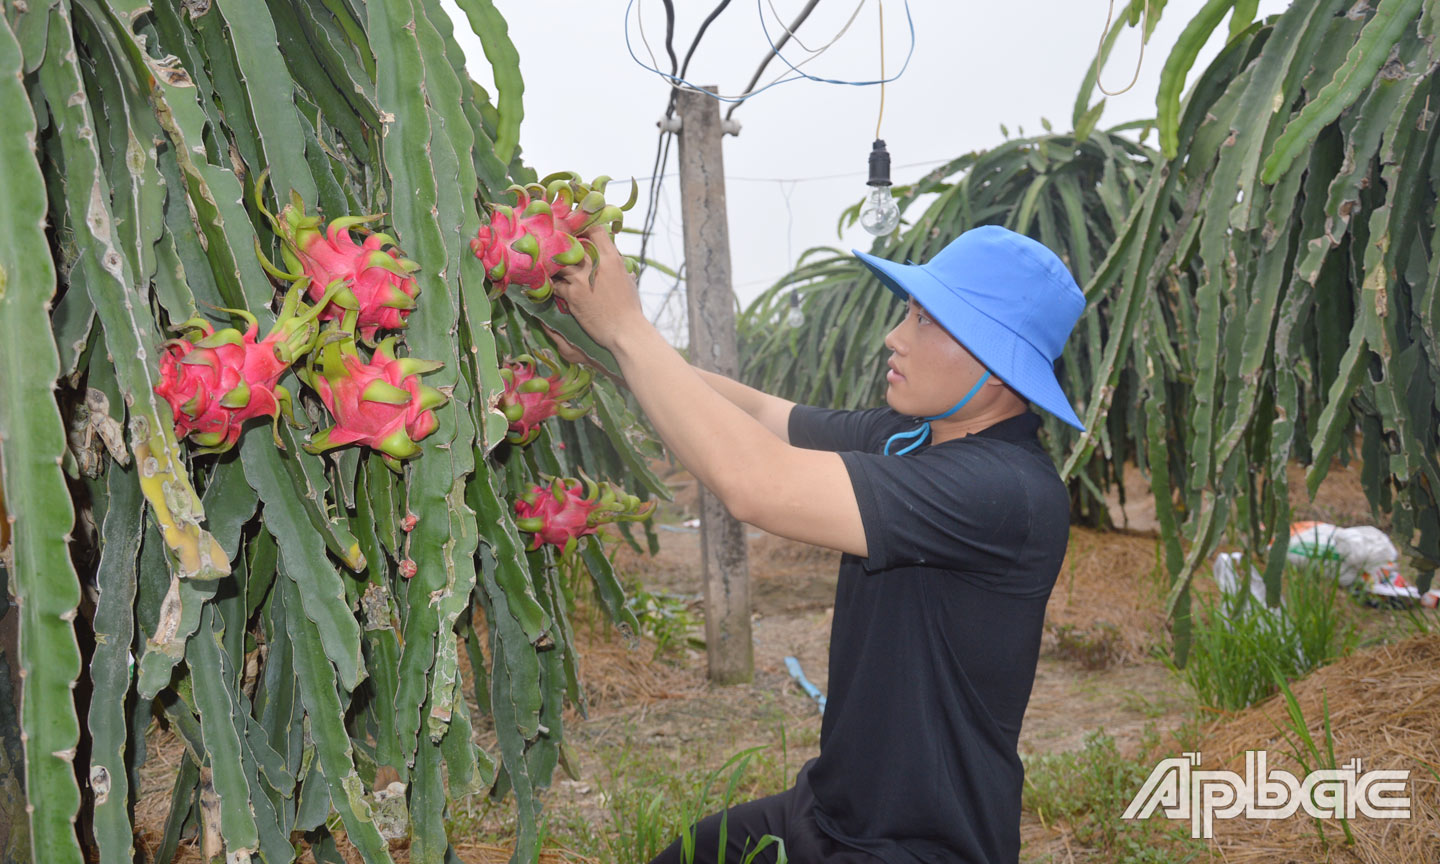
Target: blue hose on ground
793, 667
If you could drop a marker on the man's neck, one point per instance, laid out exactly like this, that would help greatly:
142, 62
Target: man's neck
958, 427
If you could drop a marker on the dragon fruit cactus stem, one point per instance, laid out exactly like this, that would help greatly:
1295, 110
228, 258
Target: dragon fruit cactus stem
375, 281
527, 244
380, 404
559, 514
530, 400
215, 380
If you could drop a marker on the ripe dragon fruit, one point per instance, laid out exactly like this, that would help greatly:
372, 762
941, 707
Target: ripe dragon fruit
380, 404
530, 400
560, 515
529, 243
376, 282
216, 380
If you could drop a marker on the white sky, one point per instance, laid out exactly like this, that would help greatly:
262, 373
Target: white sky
590, 108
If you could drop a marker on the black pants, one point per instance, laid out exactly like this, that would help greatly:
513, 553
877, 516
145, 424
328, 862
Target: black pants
788, 815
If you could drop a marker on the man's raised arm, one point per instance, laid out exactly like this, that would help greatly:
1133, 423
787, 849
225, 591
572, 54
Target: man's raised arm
772, 411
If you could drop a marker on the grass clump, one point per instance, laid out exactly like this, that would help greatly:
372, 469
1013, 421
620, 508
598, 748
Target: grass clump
1239, 645
649, 798
1095, 647
670, 620
1088, 789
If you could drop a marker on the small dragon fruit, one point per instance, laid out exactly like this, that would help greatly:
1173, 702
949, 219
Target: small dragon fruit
380, 404
530, 400
216, 380
529, 243
376, 282
560, 514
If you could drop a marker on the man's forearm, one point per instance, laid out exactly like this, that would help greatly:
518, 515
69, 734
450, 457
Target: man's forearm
711, 435
772, 411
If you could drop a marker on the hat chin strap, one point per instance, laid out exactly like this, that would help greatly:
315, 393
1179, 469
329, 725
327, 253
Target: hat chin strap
922, 432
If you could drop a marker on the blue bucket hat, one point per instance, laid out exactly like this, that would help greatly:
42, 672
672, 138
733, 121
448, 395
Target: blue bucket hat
1007, 298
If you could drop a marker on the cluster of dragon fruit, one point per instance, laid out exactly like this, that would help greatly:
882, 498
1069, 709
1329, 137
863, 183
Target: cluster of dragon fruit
350, 286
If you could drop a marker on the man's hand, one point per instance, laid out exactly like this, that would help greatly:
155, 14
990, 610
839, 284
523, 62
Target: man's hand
602, 296
572, 353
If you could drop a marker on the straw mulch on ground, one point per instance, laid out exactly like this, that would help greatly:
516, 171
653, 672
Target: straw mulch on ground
1384, 708
616, 673
1106, 602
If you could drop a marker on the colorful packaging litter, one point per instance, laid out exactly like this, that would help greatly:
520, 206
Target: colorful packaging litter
1362, 552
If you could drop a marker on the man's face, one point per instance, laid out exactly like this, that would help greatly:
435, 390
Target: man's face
929, 371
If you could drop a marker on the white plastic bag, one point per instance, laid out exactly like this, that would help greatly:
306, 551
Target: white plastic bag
1359, 552
1227, 576
1363, 552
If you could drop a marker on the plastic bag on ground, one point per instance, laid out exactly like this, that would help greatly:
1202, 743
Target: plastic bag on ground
1361, 553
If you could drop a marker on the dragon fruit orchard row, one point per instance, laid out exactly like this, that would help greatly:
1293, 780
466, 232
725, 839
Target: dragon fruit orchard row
216, 380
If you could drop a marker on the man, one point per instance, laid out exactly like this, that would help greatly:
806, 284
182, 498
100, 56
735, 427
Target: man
953, 529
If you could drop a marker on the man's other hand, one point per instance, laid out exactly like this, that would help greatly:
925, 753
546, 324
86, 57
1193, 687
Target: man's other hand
602, 295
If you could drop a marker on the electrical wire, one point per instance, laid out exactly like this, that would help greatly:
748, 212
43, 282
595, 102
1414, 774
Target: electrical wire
670, 33
695, 43
881, 4
679, 80
815, 55
810, 179
1144, 36
840, 176
909, 20
657, 177
790, 31
644, 40
789, 34
662, 143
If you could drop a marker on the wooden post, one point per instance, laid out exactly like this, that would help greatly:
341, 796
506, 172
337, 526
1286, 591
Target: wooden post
711, 306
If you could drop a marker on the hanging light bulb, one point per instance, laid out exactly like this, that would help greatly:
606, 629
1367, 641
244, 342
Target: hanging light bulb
795, 318
879, 215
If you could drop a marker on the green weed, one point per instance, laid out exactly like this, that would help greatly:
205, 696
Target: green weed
1303, 747
1235, 640
1151, 708
1089, 788
668, 619
651, 797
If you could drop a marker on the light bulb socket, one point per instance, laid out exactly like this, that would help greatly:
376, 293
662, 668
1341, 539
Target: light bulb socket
879, 165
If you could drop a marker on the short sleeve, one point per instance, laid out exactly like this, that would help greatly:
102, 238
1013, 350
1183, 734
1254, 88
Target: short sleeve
962, 507
837, 430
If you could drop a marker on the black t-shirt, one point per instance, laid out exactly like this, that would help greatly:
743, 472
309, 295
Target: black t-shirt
935, 636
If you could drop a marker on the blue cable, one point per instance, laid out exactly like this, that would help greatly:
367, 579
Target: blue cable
908, 20
923, 430
798, 76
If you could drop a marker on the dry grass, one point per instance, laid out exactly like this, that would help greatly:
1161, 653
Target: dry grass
1384, 707
618, 673
1107, 593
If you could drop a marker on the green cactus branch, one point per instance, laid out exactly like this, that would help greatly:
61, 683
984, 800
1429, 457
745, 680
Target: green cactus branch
283, 601
32, 442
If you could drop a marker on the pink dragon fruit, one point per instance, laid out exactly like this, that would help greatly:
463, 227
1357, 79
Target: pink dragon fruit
376, 282
380, 404
530, 400
216, 380
567, 510
529, 243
